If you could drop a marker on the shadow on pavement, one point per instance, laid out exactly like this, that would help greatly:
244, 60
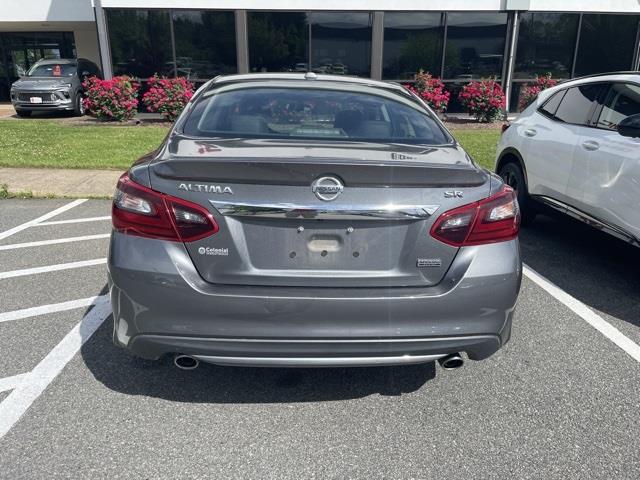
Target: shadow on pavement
594, 267
120, 371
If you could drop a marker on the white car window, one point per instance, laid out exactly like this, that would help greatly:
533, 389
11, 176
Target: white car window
622, 100
577, 104
551, 105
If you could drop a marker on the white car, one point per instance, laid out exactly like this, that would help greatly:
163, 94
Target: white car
576, 148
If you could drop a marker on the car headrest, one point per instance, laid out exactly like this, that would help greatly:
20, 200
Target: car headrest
348, 120
374, 129
248, 124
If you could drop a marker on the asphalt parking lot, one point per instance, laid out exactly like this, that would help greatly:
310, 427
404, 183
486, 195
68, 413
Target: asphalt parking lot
562, 400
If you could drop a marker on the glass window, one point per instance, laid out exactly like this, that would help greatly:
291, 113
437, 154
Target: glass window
577, 104
412, 41
475, 45
20, 50
205, 43
551, 105
623, 100
278, 41
341, 43
53, 70
606, 43
140, 42
313, 113
546, 43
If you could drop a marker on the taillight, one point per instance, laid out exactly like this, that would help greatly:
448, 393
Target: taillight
138, 210
494, 219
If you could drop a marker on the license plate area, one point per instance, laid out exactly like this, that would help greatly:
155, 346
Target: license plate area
35, 99
325, 244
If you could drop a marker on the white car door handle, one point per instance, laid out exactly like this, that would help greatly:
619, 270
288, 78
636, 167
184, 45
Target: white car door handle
530, 132
590, 145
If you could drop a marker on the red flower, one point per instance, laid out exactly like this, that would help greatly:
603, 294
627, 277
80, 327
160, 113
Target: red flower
114, 99
484, 100
167, 96
529, 92
431, 90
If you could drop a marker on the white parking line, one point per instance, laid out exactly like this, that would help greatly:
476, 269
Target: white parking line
35, 382
588, 315
9, 383
54, 242
42, 218
51, 308
75, 220
51, 268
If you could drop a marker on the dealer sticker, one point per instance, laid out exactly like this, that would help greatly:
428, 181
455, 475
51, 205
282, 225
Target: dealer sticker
213, 251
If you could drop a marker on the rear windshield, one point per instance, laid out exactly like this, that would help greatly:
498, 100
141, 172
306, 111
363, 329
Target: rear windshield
53, 70
313, 114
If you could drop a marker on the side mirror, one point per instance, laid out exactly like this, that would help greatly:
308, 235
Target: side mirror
630, 126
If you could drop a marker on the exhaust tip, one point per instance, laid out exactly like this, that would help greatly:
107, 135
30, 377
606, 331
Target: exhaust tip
451, 362
185, 362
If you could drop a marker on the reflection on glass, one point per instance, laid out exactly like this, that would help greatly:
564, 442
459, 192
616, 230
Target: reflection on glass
412, 41
475, 45
140, 42
341, 43
205, 43
606, 43
546, 43
20, 50
278, 41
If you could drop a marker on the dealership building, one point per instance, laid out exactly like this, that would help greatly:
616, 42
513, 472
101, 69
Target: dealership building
456, 40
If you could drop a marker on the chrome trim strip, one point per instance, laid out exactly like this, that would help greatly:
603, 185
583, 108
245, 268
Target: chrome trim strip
327, 211
339, 340
318, 361
588, 219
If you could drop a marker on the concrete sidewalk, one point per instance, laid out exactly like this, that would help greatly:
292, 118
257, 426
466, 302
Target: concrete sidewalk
60, 182
6, 110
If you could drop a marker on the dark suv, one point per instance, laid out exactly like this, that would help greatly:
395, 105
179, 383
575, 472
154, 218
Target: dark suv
52, 85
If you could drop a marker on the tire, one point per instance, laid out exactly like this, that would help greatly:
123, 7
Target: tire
24, 113
513, 176
78, 106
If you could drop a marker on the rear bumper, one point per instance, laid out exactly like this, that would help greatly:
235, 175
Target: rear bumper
161, 305
316, 353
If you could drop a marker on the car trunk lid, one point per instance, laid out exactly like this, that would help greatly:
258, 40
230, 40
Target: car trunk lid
276, 228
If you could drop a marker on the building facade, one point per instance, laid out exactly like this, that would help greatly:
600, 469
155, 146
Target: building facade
456, 40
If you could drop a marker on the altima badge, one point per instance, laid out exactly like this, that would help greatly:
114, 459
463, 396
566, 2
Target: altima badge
202, 187
327, 188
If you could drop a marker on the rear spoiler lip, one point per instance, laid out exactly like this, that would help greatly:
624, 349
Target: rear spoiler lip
303, 172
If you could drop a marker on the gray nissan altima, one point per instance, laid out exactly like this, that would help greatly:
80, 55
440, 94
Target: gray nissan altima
309, 220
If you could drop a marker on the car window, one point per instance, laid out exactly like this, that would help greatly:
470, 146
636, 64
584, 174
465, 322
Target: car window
622, 100
551, 105
577, 104
312, 113
53, 70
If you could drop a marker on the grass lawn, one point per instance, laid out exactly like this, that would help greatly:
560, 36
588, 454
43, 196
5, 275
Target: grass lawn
61, 144
480, 144
58, 144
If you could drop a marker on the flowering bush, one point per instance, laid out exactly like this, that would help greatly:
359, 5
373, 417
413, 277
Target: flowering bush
431, 90
168, 96
114, 99
530, 92
484, 100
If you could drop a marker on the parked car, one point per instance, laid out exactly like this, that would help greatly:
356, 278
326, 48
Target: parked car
576, 149
52, 85
261, 233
